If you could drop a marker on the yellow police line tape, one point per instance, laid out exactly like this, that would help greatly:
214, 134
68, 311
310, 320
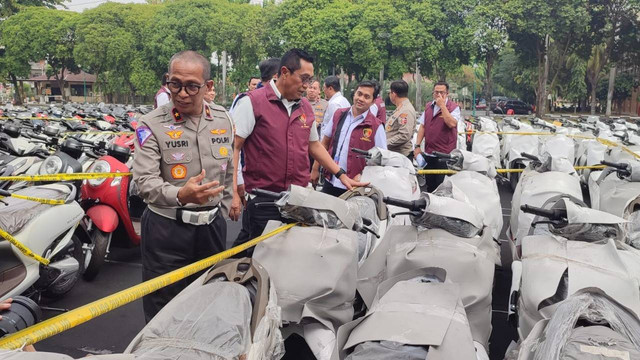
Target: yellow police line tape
501, 171
36, 199
73, 318
63, 177
23, 249
586, 137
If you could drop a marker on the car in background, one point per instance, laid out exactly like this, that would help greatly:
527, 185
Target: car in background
518, 107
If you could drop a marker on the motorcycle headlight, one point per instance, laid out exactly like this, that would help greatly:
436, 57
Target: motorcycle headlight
51, 165
99, 166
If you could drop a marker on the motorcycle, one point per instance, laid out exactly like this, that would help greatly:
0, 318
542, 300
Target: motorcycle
570, 247
108, 205
326, 250
447, 232
514, 145
48, 231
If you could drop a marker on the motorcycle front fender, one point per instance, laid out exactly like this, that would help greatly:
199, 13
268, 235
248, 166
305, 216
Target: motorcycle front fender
104, 217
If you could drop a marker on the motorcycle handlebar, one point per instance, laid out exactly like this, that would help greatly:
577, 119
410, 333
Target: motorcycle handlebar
415, 205
619, 166
441, 155
359, 151
268, 194
554, 214
529, 156
88, 142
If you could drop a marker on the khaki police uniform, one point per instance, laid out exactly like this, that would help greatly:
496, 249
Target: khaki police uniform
400, 128
170, 149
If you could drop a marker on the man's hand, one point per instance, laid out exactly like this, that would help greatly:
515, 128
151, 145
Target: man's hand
194, 193
315, 176
241, 194
417, 152
441, 101
236, 207
5, 305
350, 183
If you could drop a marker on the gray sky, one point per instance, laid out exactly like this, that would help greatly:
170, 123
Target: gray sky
79, 5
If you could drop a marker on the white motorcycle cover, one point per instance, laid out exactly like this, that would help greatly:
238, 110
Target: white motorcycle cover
552, 265
558, 146
406, 317
211, 322
562, 338
314, 270
535, 189
41, 355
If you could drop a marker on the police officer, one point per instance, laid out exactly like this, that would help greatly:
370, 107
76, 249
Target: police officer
183, 155
402, 123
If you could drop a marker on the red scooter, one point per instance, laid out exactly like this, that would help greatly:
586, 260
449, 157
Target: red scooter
109, 207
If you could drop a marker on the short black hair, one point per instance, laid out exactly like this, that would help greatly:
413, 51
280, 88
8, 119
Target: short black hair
400, 88
165, 78
332, 82
193, 57
371, 84
291, 60
441, 82
253, 77
268, 68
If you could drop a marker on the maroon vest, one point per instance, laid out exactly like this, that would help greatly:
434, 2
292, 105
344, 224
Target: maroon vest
163, 90
362, 137
438, 136
277, 151
382, 110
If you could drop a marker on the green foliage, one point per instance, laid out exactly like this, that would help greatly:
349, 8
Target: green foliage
621, 91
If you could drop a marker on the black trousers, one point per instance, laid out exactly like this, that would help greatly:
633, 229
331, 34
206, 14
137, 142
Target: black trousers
328, 188
168, 245
433, 181
255, 217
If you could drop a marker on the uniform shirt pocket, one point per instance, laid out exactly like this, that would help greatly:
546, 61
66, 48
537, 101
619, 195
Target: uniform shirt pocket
221, 147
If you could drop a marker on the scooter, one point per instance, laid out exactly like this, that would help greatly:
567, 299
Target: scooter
544, 178
485, 143
48, 231
107, 203
617, 191
476, 178
447, 233
416, 315
570, 247
514, 145
326, 250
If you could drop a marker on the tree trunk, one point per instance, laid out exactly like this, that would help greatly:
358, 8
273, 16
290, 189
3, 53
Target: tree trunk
17, 96
342, 79
60, 80
543, 75
381, 78
612, 83
593, 100
418, 87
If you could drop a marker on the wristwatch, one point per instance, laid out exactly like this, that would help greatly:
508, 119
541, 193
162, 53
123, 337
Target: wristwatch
340, 173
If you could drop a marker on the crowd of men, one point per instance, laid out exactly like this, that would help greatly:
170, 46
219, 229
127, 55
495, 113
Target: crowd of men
196, 163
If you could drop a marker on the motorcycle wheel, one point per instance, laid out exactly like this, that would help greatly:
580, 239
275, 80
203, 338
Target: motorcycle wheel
100, 240
58, 290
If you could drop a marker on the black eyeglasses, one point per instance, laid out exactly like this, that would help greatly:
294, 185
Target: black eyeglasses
191, 89
306, 79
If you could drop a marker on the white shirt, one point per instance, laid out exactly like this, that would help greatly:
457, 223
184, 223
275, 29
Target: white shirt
336, 102
162, 98
245, 119
343, 148
455, 113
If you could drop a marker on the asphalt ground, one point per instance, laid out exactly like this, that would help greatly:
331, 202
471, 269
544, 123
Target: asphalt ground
112, 332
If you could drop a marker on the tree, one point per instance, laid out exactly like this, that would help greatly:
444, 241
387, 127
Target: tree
10, 7
489, 38
531, 24
40, 33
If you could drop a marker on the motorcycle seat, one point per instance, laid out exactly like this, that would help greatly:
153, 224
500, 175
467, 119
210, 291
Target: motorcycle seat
12, 270
16, 213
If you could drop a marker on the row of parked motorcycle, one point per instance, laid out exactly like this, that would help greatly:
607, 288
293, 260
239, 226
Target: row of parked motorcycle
388, 272
75, 237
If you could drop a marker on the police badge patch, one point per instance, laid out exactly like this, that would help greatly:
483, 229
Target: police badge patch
143, 133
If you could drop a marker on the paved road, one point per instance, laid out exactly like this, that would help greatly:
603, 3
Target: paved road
112, 332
